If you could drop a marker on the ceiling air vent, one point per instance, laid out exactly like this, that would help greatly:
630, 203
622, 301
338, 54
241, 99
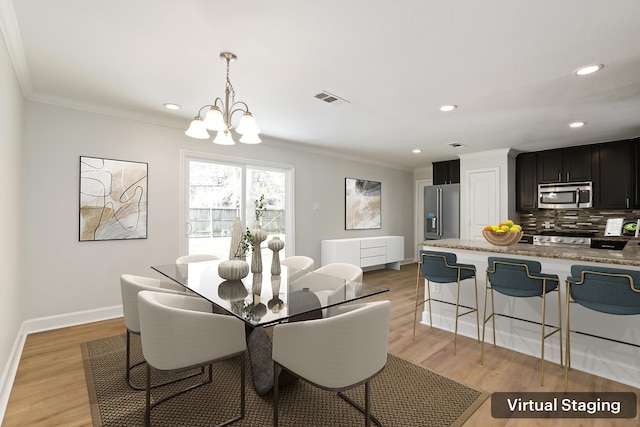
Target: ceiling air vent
330, 98
455, 144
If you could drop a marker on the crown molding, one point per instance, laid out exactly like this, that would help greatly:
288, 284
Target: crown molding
13, 41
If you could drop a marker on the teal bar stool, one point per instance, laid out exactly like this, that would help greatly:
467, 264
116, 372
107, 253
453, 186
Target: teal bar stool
443, 267
521, 279
606, 290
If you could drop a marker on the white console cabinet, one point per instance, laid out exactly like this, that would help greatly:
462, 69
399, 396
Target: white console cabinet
385, 251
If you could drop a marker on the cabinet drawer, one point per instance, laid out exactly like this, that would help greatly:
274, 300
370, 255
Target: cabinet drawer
371, 243
374, 260
369, 252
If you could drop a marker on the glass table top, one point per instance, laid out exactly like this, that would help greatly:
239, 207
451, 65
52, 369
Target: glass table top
263, 299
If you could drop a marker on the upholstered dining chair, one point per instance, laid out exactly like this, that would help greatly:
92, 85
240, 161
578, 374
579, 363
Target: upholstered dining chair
607, 290
521, 278
130, 285
332, 290
299, 265
443, 267
335, 354
179, 332
299, 262
185, 259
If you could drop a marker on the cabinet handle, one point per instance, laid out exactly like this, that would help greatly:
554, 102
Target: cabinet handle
559, 177
627, 202
567, 176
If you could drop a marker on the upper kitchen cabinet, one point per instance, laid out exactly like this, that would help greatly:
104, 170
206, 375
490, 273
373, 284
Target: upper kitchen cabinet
564, 165
447, 172
526, 182
614, 175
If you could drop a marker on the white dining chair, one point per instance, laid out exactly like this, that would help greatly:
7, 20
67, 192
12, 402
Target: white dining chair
334, 290
179, 332
337, 353
298, 266
186, 259
130, 285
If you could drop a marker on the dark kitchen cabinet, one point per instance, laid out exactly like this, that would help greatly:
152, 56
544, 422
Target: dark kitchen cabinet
564, 165
447, 172
614, 175
526, 182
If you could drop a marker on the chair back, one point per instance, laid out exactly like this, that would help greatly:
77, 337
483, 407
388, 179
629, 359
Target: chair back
196, 258
299, 262
343, 270
442, 267
336, 352
519, 277
130, 285
604, 289
179, 330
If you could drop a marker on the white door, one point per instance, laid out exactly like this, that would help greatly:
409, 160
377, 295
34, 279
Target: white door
482, 200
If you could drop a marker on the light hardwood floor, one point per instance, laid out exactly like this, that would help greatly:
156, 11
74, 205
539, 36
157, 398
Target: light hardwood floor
50, 387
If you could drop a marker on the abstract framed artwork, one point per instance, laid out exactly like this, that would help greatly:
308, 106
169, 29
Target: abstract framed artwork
113, 199
362, 204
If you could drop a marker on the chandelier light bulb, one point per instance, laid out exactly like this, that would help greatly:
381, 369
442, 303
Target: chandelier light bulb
197, 129
224, 138
248, 125
214, 120
248, 138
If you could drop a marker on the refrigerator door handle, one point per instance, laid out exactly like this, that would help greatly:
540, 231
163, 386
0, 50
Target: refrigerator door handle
439, 211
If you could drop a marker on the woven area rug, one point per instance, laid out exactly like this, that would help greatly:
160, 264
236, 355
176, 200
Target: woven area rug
403, 395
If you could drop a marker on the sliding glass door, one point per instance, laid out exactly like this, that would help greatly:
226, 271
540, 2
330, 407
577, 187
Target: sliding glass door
217, 190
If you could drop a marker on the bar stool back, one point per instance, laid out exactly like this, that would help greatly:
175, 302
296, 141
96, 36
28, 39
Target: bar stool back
521, 279
442, 267
607, 290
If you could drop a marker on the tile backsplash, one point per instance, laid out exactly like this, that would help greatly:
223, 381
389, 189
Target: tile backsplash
571, 220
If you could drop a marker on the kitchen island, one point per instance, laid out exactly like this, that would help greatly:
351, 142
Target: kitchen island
629, 256
610, 359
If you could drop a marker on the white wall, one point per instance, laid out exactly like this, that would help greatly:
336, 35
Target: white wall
11, 127
63, 275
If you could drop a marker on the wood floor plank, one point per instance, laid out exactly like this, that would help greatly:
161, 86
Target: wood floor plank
50, 387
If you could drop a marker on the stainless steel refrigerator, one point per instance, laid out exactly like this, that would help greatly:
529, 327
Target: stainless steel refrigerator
442, 212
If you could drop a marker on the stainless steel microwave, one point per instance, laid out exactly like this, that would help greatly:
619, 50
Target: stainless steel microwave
565, 195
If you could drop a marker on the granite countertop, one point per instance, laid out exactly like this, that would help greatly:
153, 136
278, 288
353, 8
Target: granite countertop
630, 255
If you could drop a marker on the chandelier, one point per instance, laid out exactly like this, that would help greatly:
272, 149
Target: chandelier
218, 116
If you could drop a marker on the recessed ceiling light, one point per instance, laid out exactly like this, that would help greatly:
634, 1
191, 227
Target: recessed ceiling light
417, 151
588, 69
446, 108
170, 106
577, 124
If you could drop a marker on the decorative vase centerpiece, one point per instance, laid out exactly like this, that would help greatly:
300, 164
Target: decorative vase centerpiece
233, 269
235, 250
276, 245
258, 235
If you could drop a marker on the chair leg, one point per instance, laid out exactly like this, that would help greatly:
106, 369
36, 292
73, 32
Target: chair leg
455, 335
475, 280
560, 325
415, 311
275, 395
367, 404
485, 320
544, 307
567, 360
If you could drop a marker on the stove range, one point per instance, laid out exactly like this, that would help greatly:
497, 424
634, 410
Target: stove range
563, 239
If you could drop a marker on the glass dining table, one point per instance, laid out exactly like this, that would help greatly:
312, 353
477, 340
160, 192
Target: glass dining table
262, 299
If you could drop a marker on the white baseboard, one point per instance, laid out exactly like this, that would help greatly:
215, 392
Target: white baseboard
40, 325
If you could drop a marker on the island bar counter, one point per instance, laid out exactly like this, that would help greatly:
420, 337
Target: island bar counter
616, 360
